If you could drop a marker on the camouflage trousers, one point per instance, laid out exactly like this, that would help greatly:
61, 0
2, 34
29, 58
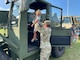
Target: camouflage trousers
45, 53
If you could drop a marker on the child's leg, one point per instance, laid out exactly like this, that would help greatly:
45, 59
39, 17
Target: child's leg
34, 36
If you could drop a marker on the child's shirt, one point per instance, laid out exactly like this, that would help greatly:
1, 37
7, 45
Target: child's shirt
38, 18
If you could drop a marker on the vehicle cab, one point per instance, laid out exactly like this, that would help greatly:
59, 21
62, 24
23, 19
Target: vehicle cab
20, 32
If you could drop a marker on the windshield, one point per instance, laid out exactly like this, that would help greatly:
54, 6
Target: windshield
67, 20
15, 14
78, 18
55, 17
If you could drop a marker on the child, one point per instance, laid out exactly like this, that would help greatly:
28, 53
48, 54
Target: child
35, 23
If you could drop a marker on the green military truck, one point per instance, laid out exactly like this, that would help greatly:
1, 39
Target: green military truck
3, 18
17, 44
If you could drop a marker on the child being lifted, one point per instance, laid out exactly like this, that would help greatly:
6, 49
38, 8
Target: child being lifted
36, 21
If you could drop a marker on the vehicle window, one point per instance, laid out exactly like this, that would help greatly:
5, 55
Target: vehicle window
15, 14
78, 18
77, 21
66, 20
55, 17
43, 15
16, 9
31, 15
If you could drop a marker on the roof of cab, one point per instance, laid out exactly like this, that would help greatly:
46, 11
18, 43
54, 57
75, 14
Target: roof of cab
39, 5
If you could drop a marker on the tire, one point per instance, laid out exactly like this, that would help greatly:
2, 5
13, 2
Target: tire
57, 51
3, 55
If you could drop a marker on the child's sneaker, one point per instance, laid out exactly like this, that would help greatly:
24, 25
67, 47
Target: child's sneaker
34, 40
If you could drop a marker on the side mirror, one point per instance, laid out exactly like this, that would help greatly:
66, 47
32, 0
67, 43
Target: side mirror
7, 2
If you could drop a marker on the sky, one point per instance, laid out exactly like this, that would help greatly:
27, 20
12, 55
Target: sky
73, 6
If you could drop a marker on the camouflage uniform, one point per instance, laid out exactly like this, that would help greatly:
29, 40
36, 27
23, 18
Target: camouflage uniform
45, 45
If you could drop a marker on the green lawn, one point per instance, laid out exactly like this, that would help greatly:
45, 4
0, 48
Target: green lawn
1, 31
70, 53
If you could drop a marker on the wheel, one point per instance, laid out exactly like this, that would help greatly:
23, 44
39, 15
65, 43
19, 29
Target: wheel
57, 51
3, 55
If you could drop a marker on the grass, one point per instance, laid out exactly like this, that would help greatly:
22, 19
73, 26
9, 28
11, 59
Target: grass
70, 53
2, 31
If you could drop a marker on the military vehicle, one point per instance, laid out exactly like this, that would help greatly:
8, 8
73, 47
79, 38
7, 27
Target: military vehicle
17, 44
3, 18
77, 20
67, 22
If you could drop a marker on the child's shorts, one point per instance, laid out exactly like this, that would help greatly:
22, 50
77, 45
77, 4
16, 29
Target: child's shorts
36, 26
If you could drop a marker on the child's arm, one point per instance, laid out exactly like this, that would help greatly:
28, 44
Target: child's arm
40, 27
35, 21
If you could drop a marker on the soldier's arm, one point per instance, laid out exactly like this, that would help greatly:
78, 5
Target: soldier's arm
40, 27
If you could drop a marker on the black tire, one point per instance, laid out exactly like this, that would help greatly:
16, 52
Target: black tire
57, 51
3, 55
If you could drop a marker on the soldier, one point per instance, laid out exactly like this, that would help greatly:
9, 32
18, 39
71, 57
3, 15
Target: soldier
45, 46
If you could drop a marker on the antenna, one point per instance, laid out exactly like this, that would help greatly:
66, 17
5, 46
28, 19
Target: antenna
67, 7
